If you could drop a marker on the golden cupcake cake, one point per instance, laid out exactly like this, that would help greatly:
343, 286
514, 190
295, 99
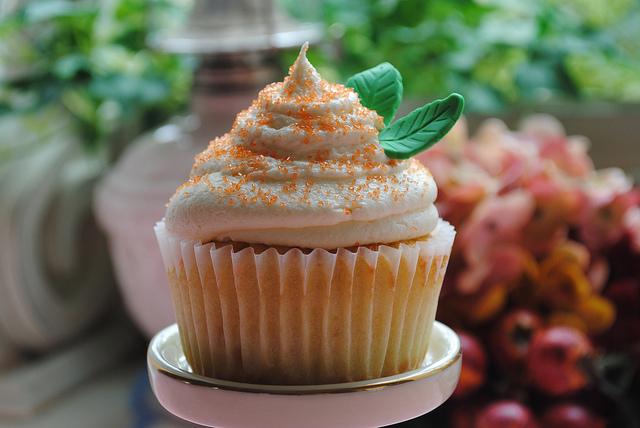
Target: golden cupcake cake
306, 248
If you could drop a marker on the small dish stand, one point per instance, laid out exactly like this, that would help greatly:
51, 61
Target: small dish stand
378, 402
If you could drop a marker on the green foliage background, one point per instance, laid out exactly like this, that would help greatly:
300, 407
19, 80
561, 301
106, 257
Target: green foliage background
497, 53
90, 58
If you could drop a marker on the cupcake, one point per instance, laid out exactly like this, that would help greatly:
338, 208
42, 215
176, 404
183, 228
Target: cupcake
306, 248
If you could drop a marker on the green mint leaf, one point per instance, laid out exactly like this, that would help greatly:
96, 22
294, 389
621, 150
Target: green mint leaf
380, 89
422, 128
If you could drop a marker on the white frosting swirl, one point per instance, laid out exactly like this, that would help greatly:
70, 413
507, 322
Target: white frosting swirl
303, 167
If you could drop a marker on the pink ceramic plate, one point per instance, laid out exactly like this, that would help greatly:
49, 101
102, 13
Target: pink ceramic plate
374, 403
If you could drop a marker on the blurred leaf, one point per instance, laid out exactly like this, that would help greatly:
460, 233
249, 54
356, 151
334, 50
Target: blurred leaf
506, 29
537, 80
129, 90
114, 58
80, 104
46, 10
69, 66
597, 13
407, 13
600, 77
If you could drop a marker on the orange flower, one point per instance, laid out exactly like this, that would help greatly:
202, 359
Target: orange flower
598, 313
564, 289
563, 283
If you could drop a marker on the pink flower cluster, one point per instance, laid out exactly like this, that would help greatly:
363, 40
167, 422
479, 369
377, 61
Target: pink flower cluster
544, 277
515, 196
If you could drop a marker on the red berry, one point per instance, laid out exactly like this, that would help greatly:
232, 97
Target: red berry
557, 360
474, 365
506, 414
510, 338
571, 415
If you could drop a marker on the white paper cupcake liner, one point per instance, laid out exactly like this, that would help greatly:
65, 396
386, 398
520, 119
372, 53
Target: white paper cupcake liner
263, 315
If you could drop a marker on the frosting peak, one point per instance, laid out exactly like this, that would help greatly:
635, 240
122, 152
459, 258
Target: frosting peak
303, 79
307, 118
302, 166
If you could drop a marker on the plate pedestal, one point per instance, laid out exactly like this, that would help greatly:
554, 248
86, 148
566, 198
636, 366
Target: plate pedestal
373, 403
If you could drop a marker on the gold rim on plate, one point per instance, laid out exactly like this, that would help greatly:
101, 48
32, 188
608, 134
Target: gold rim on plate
170, 336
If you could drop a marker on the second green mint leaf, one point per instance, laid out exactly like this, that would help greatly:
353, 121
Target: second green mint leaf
422, 128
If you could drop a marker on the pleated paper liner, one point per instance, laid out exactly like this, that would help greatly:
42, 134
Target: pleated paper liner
269, 315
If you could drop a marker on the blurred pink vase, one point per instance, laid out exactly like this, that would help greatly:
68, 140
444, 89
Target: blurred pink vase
129, 200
